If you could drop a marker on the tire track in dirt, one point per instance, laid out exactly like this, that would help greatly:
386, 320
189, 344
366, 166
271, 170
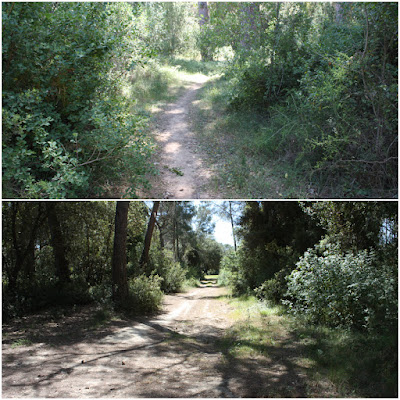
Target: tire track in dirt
174, 354
169, 355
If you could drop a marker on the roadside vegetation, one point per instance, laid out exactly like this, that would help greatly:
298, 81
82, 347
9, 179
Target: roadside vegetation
60, 255
317, 283
333, 362
303, 102
314, 285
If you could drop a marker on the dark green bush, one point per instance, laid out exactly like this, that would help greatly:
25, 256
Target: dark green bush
330, 90
172, 273
66, 124
145, 294
42, 295
274, 289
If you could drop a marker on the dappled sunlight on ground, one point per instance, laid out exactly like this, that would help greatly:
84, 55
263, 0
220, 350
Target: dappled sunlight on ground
183, 173
188, 350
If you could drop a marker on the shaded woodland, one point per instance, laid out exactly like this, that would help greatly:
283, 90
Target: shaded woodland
326, 270
307, 88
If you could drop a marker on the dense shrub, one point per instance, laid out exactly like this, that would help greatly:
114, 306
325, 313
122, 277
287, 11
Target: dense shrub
145, 294
228, 269
329, 86
66, 124
351, 289
274, 289
33, 297
172, 273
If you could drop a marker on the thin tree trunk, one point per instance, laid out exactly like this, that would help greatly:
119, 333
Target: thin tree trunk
119, 274
160, 229
233, 227
276, 32
174, 233
149, 233
204, 17
58, 244
338, 12
248, 24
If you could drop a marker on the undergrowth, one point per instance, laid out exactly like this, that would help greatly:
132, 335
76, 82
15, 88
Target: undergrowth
262, 154
235, 142
348, 363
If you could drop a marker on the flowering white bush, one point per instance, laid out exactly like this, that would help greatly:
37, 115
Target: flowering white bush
351, 289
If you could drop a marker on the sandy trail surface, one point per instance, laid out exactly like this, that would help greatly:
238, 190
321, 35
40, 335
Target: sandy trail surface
183, 173
169, 355
177, 353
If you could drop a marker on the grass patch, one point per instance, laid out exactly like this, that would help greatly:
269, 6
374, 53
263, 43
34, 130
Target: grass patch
152, 86
190, 66
236, 143
209, 277
21, 342
360, 364
162, 80
349, 364
190, 283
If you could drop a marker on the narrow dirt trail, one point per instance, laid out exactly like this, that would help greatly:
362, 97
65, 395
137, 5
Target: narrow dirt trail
183, 174
170, 355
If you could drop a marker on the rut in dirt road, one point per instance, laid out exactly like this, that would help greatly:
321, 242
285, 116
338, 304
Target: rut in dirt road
175, 354
183, 174
170, 355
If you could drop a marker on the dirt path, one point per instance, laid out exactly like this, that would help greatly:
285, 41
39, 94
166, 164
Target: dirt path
171, 355
175, 354
183, 174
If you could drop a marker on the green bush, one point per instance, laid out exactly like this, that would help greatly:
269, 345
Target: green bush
228, 267
101, 294
33, 297
274, 289
66, 124
330, 92
351, 289
172, 273
145, 294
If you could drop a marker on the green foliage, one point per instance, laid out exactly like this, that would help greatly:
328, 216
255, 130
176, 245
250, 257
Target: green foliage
354, 290
65, 120
274, 235
145, 294
356, 225
33, 297
170, 28
172, 273
328, 84
228, 268
30, 281
274, 289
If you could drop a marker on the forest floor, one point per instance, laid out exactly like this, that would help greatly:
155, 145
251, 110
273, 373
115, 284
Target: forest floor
183, 173
181, 352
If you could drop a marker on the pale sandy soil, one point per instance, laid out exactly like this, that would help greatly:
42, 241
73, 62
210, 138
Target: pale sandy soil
183, 173
174, 354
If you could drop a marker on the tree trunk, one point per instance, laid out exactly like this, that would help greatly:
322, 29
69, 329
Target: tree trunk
58, 244
23, 244
147, 240
233, 227
338, 12
203, 13
248, 24
119, 274
204, 17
